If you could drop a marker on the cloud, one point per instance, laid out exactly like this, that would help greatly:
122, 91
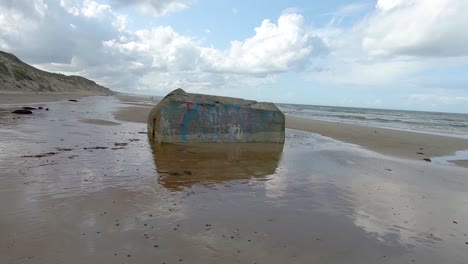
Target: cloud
393, 44
386, 5
154, 7
417, 28
160, 48
274, 48
91, 39
50, 31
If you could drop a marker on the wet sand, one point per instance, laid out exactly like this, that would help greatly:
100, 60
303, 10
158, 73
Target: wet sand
133, 114
99, 122
392, 142
74, 192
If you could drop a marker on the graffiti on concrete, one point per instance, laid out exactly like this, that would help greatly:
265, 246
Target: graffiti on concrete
215, 122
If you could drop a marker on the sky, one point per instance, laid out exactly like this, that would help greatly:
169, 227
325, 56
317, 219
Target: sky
393, 54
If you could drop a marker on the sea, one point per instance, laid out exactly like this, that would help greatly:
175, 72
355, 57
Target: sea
448, 124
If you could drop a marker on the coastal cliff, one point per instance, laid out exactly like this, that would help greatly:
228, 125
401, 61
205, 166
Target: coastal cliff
17, 77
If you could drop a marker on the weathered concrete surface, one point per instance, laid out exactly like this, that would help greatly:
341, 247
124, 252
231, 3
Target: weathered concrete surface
184, 117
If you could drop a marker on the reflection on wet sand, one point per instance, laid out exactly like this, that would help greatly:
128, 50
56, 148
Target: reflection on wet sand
74, 192
182, 166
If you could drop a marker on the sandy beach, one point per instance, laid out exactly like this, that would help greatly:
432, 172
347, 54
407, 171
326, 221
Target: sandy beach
81, 183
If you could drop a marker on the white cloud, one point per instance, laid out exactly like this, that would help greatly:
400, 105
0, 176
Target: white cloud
275, 48
386, 5
120, 22
94, 9
168, 50
154, 7
417, 28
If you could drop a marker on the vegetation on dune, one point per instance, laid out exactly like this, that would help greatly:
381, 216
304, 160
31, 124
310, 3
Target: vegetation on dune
4, 69
43, 87
20, 74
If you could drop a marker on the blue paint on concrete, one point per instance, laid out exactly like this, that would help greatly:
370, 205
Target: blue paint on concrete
217, 127
189, 115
